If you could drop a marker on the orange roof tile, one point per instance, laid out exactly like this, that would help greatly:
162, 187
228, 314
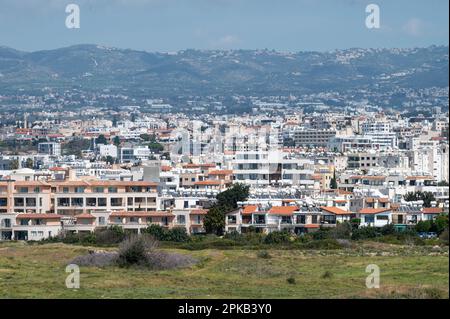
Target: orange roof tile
249, 209
221, 172
199, 212
283, 210
38, 216
85, 216
207, 183
432, 210
374, 210
142, 214
335, 210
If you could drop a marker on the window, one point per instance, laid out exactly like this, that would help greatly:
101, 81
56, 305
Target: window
79, 189
112, 189
99, 189
65, 190
369, 219
101, 220
23, 190
382, 217
181, 219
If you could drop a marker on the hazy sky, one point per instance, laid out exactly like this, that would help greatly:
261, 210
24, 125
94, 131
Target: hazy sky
170, 25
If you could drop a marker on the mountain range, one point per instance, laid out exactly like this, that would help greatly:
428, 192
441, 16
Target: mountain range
196, 72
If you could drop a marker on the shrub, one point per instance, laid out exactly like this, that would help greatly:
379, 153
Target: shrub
278, 237
423, 226
109, 236
388, 229
264, 254
291, 280
341, 231
234, 235
327, 274
177, 234
444, 237
134, 250
156, 231
365, 233
102, 259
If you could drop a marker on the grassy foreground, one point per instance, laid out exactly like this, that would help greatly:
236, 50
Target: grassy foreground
38, 271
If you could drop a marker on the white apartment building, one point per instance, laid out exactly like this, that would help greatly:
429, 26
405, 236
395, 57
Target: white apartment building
49, 148
307, 137
261, 168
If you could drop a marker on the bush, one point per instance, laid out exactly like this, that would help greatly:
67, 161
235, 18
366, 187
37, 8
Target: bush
134, 250
278, 237
423, 226
444, 237
177, 234
156, 231
234, 235
101, 259
327, 274
341, 231
365, 233
291, 280
264, 254
388, 229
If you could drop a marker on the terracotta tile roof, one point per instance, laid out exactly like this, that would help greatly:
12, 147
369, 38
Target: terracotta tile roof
221, 172
312, 226
335, 210
38, 216
207, 183
283, 210
249, 209
374, 210
142, 214
85, 216
419, 177
199, 212
432, 210
32, 183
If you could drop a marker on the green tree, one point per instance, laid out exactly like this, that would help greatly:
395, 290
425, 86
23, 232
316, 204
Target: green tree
333, 182
110, 160
229, 198
426, 197
155, 147
29, 163
116, 141
214, 221
423, 226
226, 201
147, 137
442, 183
101, 139
440, 224
14, 164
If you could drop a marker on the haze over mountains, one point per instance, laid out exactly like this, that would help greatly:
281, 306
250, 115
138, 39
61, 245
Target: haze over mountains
195, 72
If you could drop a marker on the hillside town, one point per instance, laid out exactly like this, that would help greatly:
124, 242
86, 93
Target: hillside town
78, 172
